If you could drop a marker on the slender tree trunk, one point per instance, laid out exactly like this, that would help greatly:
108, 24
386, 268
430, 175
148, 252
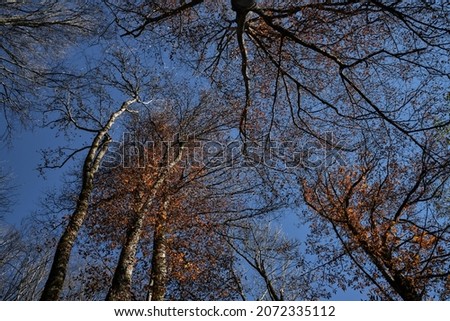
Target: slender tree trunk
125, 266
158, 274
120, 289
58, 270
97, 151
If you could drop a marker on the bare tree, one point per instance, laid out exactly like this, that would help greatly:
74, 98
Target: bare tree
25, 256
281, 271
98, 120
357, 62
6, 196
35, 36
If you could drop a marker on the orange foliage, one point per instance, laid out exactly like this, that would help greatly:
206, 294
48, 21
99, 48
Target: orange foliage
378, 220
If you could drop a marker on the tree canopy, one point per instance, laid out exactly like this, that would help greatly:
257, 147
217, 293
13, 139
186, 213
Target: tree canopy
199, 133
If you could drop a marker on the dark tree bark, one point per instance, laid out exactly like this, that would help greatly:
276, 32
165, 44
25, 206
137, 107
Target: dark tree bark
242, 5
242, 8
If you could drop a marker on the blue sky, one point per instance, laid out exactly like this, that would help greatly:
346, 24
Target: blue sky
21, 158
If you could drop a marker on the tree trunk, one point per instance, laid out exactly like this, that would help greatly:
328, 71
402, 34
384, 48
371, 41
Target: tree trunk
120, 289
158, 274
405, 289
242, 5
57, 275
125, 267
97, 151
